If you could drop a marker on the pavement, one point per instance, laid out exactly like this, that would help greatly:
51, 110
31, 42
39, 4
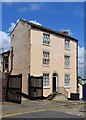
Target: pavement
32, 108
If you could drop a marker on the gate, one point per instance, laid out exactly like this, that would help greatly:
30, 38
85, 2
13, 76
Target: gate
84, 92
35, 87
14, 88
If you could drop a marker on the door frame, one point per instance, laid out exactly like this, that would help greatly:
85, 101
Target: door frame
55, 75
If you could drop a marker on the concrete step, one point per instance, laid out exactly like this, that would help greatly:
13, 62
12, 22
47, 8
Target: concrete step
59, 96
52, 95
56, 96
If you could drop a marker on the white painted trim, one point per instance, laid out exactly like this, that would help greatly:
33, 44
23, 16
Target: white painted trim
47, 87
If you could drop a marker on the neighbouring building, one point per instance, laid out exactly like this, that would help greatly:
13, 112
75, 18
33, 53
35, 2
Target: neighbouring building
4, 61
41, 51
4, 69
82, 88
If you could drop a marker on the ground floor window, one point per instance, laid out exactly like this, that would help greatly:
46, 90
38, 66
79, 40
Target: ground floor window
67, 80
45, 79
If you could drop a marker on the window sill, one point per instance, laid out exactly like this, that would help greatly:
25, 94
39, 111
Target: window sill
46, 65
47, 87
46, 44
67, 67
67, 87
67, 49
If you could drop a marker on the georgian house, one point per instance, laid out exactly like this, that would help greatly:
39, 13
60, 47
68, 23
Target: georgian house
41, 51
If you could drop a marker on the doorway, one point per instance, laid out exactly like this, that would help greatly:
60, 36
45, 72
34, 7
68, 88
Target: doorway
55, 82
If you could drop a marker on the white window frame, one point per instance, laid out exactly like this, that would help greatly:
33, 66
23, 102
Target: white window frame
67, 79
46, 58
66, 61
67, 44
46, 80
46, 39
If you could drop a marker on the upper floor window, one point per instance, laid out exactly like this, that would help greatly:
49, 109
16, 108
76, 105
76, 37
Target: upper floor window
67, 61
46, 58
46, 39
45, 79
67, 80
67, 44
6, 62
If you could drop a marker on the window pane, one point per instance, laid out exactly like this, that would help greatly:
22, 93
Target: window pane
46, 39
6, 62
67, 80
67, 44
45, 79
46, 58
67, 61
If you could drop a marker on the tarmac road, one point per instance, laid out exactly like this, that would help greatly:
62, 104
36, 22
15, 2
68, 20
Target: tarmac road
43, 109
45, 114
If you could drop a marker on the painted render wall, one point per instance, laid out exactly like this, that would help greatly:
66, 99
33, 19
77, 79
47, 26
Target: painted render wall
20, 43
28, 53
57, 52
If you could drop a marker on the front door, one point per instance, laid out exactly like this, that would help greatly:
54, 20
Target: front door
55, 82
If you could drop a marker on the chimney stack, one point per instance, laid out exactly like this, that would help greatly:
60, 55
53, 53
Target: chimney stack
65, 32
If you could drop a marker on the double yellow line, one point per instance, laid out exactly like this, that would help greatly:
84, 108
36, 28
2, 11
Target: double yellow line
20, 113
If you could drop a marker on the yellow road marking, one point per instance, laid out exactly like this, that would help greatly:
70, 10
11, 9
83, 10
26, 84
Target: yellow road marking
21, 113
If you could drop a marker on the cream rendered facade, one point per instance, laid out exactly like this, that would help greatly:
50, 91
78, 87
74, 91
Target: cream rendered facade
28, 47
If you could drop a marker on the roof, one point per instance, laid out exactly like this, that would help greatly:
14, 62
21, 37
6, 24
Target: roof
45, 29
7, 52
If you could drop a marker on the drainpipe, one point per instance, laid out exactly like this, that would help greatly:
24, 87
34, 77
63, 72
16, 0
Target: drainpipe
29, 49
11, 61
29, 30
77, 67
